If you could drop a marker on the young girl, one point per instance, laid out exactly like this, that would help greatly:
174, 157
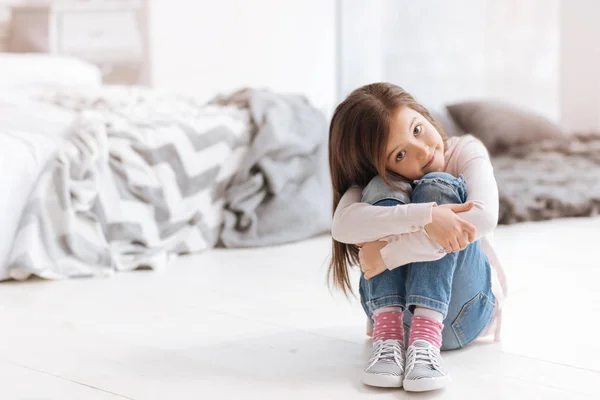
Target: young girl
432, 258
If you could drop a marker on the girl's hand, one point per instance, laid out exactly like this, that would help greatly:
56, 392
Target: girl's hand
371, 262
448, 230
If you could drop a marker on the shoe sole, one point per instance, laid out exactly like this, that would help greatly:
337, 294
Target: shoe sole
384, 381
426, 384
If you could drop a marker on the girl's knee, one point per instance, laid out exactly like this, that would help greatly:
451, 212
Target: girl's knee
439, 187
377, 190
438, 176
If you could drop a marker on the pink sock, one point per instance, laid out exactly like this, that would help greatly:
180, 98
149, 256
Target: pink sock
388, 325
423, 328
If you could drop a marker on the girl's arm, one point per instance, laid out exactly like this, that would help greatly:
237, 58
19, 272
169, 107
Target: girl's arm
355, 222
482, 190
408, 248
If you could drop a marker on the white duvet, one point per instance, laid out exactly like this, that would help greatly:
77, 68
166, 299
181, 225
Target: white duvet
30, 132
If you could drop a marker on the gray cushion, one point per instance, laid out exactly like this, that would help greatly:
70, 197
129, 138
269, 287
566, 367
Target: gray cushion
444, 118
501, 126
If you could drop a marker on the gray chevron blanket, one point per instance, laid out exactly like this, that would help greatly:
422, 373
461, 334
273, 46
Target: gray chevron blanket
147, 176
281, 191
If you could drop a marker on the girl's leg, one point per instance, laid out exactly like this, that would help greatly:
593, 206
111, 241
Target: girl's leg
429, 284
383, 299
458, 285
472, 303
435, 290
388, 288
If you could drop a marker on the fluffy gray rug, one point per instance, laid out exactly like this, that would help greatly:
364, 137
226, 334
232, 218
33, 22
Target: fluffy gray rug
549, 179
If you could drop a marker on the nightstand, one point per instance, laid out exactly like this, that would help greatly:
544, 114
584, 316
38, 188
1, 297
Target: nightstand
108, 33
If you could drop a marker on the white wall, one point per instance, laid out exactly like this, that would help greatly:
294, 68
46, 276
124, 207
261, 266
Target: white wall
436, 51
444, 51
580, 64
206, 47
360, 45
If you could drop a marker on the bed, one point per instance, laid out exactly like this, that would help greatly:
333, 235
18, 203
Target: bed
130, 177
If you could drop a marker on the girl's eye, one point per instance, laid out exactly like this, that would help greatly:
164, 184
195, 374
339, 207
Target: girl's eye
400, 156
417, 130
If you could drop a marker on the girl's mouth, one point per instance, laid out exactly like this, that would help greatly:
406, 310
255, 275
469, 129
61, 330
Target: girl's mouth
430, 161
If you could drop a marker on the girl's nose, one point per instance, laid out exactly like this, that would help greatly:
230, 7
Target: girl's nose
423, 152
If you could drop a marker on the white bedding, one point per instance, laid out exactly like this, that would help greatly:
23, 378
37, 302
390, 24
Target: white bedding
25, 72
30, 133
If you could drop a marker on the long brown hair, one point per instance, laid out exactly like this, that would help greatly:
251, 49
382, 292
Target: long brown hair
358, 136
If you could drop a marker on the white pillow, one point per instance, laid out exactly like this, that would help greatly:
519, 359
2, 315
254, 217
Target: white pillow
30, 133
34, 69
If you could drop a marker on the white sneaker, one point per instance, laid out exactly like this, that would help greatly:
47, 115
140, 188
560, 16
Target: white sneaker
385, 367
424, 368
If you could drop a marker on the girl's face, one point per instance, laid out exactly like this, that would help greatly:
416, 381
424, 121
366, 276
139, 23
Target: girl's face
414, 146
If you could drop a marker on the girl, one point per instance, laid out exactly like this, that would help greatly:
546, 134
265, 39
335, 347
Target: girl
432, 258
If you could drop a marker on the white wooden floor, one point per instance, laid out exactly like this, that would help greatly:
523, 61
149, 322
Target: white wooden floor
261, 324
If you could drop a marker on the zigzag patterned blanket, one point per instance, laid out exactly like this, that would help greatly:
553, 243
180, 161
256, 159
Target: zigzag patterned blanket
143, 177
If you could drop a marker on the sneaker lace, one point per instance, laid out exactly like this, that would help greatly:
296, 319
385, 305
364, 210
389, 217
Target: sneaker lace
387, 350
426, 355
